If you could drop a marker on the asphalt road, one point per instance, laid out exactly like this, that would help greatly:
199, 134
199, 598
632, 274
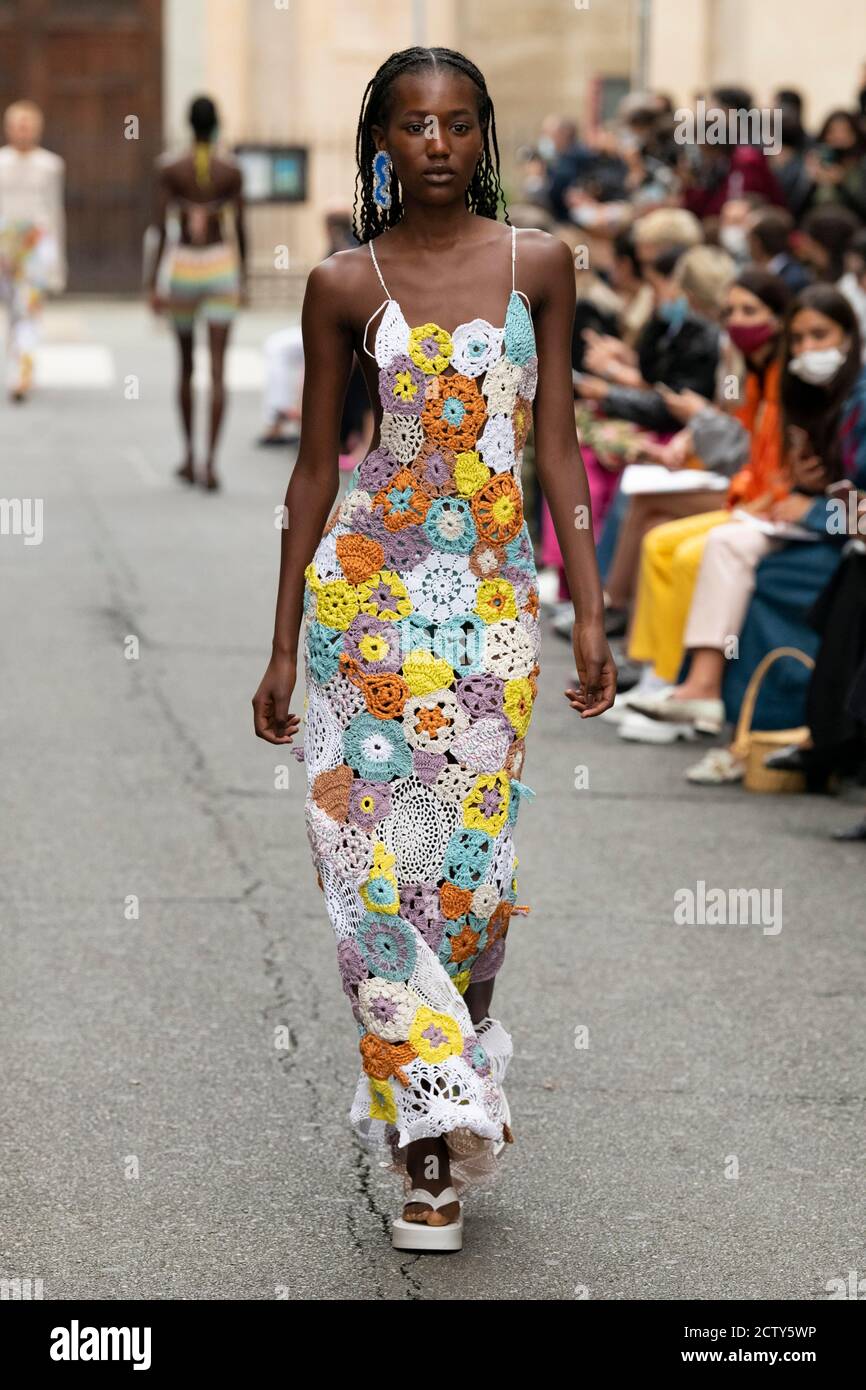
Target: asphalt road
706, 1143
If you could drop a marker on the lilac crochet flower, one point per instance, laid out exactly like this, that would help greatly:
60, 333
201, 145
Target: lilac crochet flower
374, 644
434, 468
406, 548
419, 904
369, 802
377, 470
481, 694
489, 962
401, 386
352, 968
427, 765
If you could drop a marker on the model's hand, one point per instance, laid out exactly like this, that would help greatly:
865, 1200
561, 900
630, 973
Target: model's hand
155, 301
271, 717
596, 669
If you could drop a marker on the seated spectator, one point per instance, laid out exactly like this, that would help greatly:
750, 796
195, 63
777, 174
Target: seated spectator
822, 240
768, 234
713, 174
754, 308
853, 282
823, 397
836, 165
678, 348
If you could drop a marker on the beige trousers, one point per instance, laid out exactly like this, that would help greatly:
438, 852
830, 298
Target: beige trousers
725, 584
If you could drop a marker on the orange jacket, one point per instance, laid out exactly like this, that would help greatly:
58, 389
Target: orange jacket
764, 476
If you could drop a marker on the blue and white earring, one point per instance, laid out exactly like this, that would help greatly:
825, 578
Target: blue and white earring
382, 179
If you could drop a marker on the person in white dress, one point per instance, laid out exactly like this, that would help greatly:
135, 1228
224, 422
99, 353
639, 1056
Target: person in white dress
32, 236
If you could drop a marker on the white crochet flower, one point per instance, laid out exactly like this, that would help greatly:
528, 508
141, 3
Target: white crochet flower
325, 559
392, 335
354, 501
511, 649
496, 444
501, 386
442, 586
529, 379
483, 746
477, 345
421, 716
453, 784
388, 1008
485, 900
402, 434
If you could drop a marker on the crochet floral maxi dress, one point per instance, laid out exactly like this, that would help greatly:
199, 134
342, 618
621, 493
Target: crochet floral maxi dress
421, 658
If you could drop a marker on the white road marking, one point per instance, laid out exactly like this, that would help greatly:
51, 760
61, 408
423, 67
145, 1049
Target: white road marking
89, 366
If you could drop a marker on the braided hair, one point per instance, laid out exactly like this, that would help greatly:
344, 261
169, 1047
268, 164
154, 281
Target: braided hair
484, 192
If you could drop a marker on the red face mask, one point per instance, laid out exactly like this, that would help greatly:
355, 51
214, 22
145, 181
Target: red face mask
748, 337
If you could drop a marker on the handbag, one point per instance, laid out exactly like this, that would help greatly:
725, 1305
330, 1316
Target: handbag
752, 746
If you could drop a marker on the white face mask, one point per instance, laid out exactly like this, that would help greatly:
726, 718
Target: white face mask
735, 240
819, 367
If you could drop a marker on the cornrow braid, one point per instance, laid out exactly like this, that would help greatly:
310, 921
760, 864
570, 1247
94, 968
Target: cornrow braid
484, 193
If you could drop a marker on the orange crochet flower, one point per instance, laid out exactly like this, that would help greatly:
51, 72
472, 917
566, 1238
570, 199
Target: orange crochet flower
381, 1059
521, 419
464, 944
360, 557
497, 926
403, 502
455, 902
454, 411
531, 604
385, 694
498, 509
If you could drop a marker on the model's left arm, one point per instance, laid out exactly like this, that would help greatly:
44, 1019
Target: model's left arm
563, 479
57, 203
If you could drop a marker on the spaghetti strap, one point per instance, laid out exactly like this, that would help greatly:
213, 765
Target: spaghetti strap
378, 271
369, 321
513, 255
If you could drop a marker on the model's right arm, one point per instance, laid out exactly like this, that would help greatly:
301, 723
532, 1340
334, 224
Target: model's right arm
311, 492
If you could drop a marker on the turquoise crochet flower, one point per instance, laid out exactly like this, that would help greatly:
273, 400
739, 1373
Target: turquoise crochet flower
416, 633
460, 641
450, 526
387, 945
519, 337
325, 645
519, 552
377, 748
466, 858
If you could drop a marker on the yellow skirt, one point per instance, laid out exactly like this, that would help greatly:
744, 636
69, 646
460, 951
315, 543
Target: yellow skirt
670, 559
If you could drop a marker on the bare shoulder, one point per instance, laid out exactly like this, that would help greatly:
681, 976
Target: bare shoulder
544, 256
341, 279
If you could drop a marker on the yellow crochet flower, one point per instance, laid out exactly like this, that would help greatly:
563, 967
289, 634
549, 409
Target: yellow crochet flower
470, 472
494, 600
404, 389
336, 604
423, 672
460, 981
435, 1036
517, 703
386, 902
373, 647
382, 1106
384, 595
474, 815
312, 578
423, 343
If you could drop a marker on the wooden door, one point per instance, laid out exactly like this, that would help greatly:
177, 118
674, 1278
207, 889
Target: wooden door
92, 65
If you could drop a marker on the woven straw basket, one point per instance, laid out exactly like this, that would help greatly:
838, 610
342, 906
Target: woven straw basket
753, 745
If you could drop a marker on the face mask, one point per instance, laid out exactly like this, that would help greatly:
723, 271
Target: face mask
748, 337
735, 241
673, 311
546, 147
819, 367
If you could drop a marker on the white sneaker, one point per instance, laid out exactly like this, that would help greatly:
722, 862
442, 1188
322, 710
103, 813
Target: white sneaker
716, 768
636, 728
624, 704
707, 716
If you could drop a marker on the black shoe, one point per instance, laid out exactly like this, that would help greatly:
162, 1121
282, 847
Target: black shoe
628, 673
857, 832
790, 759
816, 767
